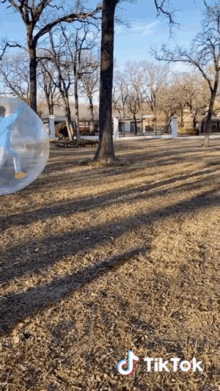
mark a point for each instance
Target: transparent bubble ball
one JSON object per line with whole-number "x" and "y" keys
{"x": 24, "y": 145}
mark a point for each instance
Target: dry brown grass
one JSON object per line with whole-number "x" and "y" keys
{"x": 98, "y": 260}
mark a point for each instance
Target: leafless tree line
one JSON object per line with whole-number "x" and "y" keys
{"x": 68, "y": 66}
{"x": 203, "y": 54}
{"x": 145, "y": 86}
{"x": 139, "y": 87}
{"x": 41, "y": 18}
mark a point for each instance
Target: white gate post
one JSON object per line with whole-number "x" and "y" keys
{"x": 52, "y": 126}
{"x": 174, "y": 126}
{"x": 115, "y": 128}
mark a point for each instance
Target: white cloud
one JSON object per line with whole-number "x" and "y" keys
{"x": 144, "y": 29}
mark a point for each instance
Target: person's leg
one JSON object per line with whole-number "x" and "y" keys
{"x": 3, "y": 153}
{"x": 19, "y": 174}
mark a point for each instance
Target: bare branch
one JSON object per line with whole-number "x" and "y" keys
{"x": 11, "y": 45}
{"x": 67, "y": 19}
{"x": 163, "y": 8}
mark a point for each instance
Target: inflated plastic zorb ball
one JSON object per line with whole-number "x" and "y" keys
{"x": 24, "y": 145}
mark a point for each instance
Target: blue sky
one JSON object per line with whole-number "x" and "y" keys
{"x": 136, "y": 41}
{"x": 147, "y": 31}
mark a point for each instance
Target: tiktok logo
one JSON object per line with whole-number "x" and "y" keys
{"x": 129, "y": 364}
{"x": 158, "y": 365}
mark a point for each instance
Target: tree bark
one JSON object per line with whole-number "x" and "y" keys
{"x": 123, "y": 124}
{"x": 51, "y": 107}
{"x": 76, "y": 106}
{"x": 155, "y": 124}
{"x": 33, "y": 74}
{"x": 135, "y": 125}
{"x": 194, "y": 121}
{"x": 50, "y": 103}
{"x": 68, "y": 119}
{"x": 181, "y": 117}
{"x": 207, "y": 123}
{"x": 167, "y": 121}
{"x": 141, "y": 124}
{"x": 210, "y": 112}
{"x": 92, "y": 115}
{"x": 105, "y": 151}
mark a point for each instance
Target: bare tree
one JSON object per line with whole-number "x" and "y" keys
{"x": 120, "y": 96}
{"x": 185, "y": 93}
{"x": 135, "y": 78}
{"x": 171, "y": 101}
{"x": 5, "y": 45}
{"x": 134, "y": 105}
{"x": 63, "y": 79}
{"x": 32, "y": 14}
{"x": 144, "y": 81}
{"x": 105, "y": 151}
{"x": 14, "y": 73}
{"x": 47, "y": 73}
{"x": 90, "y": 82}
{"x": 156, "y": 77}
{"x": 195, "y": 95}
{"x": 205, "y": 50}
{"x": 77, "y": 43}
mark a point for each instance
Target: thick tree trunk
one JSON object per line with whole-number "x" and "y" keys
{"x": 105, "y": 151}
{"x": 32, "y": 75}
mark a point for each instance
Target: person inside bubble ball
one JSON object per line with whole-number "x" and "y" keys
{"x": 6, "y": 124}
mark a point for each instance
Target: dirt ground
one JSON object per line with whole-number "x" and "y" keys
{"x": 99, "y": 260}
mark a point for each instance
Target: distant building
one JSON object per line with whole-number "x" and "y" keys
{"x": 57, "y": 119}
{"x": 214, "y": 126}
{"x": 129, "y": 124}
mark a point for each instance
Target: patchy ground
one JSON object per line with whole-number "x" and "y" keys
{"x": 96, "y": 261}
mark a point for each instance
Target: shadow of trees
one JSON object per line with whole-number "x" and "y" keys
{"x": 19, "y": 260}
{"x": 17, "y": 306}
{"x": 89, "y": 203}
{"x": 54, "y": 248}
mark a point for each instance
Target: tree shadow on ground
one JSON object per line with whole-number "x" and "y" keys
{"x": 14, "y": 307}
{"x": 89, "y": 203}
{"x": 22, "y": 259}
{"x": 56, "y": 171}
{"x": 19, "y": 260}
